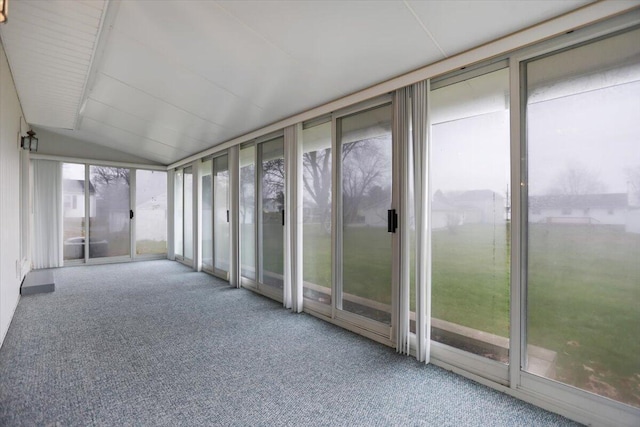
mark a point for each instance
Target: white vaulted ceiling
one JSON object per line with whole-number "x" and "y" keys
{"x": 166, "y": 79}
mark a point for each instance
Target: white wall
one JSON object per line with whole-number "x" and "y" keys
{"x": 11, "y": 126}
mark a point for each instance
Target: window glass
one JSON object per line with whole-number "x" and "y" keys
{"x": 207, "y": 218}
{"x": 109, "y": 220}
{"x": 188, "y": 213}
{"x": 272, "y": 213}
{"x": 151, "y": 212}
{"x": 470, "y": 215}
{"x": 73, "y": 210}
{"x": 248, "y": 212}
{"x": 583, "y": 269}
{"x": 367, "y": 182}
{"x": 316, "y": 176}
{"x": 221, "y": 212}
{"x": 178, "y": 212}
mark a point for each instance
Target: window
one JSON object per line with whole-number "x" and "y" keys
{"x": 221, "y": 214}
{"x": 207, "y": 218}
{"x": 316, "y": 176}
{"x": 583, "y": 290}
{"x": 73, "y": 216}
{"x": 151, "y": 212}
{"x": 248, "y": 212}
{"x": 469, "y": 223}
{"x": 109, "y": 218}
{"x": 271, "y": 232}
{"x": 178, "y": 212}
{"x": 367, "y": 174}
{"x": 188, "y": 213}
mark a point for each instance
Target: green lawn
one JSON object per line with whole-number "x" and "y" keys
{"x": 584, "y": 291}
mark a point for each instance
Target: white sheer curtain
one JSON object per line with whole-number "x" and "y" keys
{"x": 422, "y": 201}
{"x": 46, "y": 250}
{"x": 401, "y": 111}
{"x": 293, "y": 292}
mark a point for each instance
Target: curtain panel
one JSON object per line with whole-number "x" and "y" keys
{"x": 47, "y": 250}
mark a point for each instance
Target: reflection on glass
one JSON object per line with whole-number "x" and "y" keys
{"x": 316, "y": 175}
{"x": 469, "y": 215}
{"x": 178, "y": 205}
{"x": 248, "y": 212}
{"x": 151, "y": 212}
{"x": 109, "y": 221}
{"x": 207, "y": 219}
{"x": 367, "y": 171}
{"x": 272, "y": 231}
{"x": 188, "y": 213}
{"x": 584, "y": 217}
{"x": 73, "y": 210}
{"x": 221, "y": 209}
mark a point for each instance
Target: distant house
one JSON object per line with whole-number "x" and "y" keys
{"x": 467, "y": 207}
{"x": 603, "y": 209}
{"x": 73, "y": 190}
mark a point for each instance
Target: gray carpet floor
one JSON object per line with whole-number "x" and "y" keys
{"x": 154, "y": 343}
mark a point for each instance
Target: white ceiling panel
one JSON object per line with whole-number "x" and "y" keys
{"x": 50, "y": 47}
{"x": 461, "y": 25}
{"x": 167, "y": 79}
{"x": 152, "y": 130}
{"x": 129, "y": 142}
{"x": 344, "y": 45}
{"x": 148, "y": 107}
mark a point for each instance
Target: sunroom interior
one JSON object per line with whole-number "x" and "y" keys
{"x": 459, "y": 181}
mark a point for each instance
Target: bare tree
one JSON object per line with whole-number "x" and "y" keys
{"x": 104, "y": 175}
{"x": 577, "y": 180}
{"x": 363, "y": 170}
{"x": 317, "y": 177}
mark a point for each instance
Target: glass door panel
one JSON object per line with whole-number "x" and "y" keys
{"x": 188, "y": 213}
{"x": 366, "y": 158}
{"x": 109, "y": 220}
{"x": 248, "y": 212}
{"x": 271, "y": 238}
{"x": 221, "y": 213}
{"x": 470, "y": 215}
{"x": 73, "y": 210}
{"x": 151, "y": 212}
{"x": 178, "y": 212}
{"x": 583, "y": 269}
{"x": 316, "y": 176}
{"x": 207, "y": 212}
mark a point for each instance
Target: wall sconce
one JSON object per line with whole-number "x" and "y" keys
{"x": 4, "y": 6}
{"x": 29, "y": 142}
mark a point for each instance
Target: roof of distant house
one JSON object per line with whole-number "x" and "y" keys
{"x": 76, "y": 186}
{"x": 579, "y": 201}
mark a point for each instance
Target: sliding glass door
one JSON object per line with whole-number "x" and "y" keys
{"x": 215, "y": 216}
{"x": 150, "y": 213}
{"x": 221, "y": 216}
{"x": 271, "y": 219}
{"x": 365, "y": 156}
{"x": 470, "y": 223}
{"x": 74, "y": 213}
{"x": 110, "y": 212}
{"x": 583, "y": 218}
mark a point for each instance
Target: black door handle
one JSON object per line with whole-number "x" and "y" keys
{"x": 392, "y": 221}
{"x": 227, "y": 215}
{"x": 130, "y": 214}
{"x": 283, "y": 217}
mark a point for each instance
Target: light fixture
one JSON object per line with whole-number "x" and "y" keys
{"x": 29, "y": 142}
{"x": 4, "y": 6}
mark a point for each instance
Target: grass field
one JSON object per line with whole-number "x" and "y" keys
{"x": 584, "y": 291}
